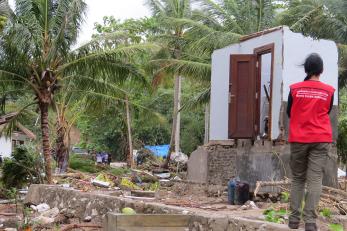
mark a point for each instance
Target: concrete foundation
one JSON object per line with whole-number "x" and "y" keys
{"x": 98, "y": 205}
{"x": 218, "y": 162}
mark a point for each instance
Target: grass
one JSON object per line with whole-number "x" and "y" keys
{"x": 119, "y": 171}
{"x": 83, "y": 164}
{"x": 325, "y": 212}
{"x": 335, "y": 227}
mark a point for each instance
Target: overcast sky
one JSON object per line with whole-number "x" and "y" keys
{"x": 97, "y": 9}
{"x": 121, "y": 9}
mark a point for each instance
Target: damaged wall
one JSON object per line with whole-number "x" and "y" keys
{"x": 290, "y": 51}
{"x": 220, "y": 81}
{"x": 251, "y": 162}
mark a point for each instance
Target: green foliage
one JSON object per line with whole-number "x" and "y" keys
{"x": 119, "y": 171}
{"x": 154, "y": 186}
{"x": 335, "y": 227}
{"x": 275, "y": 216}
{"x": 285, "y": 196}
{"x": 83, "y": 164}
{"x": 325, "y": 212}
{"x": 130, "y": 31}
{"x": 2, "y": 22}
{"x": 126, "y": 183}
{"x": 342, "y": 127}
{"x": 24, "y": 167}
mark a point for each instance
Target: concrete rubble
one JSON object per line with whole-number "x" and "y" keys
{"x": 95, "y": 205}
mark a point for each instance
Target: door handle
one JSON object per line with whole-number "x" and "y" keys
{"x": 231, "y": 96}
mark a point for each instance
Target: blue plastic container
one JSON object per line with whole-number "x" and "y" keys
{"x": 231, "y": 191}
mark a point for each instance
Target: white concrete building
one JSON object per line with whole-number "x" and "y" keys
{"x": 19, "y": 136}
{"x": 250, "y": 83}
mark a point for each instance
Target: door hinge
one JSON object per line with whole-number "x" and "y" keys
{"x": 256, "y": 95}
{"x": 257, "y": 64}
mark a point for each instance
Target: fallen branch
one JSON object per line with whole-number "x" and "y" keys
{"x": 334, "y": 190}
{"x": 282, "y": 183}
{"x": 65, "y": 175}
{"x": 330, "y": 197}
{"x": 76, "y": 226}
{"x": 260, "y": 184}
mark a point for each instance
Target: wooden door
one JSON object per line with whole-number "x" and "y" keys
{"x": 242, "y": 97}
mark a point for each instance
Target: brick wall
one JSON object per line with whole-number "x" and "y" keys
{"x": 221, "y": 164}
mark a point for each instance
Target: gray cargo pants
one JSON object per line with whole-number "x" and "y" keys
{"x": 307, "y": 163}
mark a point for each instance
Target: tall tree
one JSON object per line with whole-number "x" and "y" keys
{"x": 172, "y": 38}
{"x": 35, "y": 51}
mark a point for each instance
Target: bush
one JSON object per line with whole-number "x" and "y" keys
{"x": 24, "y": 167}
{"x": 83, "y": 164}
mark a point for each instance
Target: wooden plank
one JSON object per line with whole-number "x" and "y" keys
{"x": 152, "y": 220}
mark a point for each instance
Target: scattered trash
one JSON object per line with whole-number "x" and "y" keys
{"x": 185, "y": 212}
{"x": 101, "y": 183}
{"x": 163, "y": 175}
{"x": 249, "y": 205}
{"x": 125, "y": 183}
{"x": 47, "y": 217}
{"x": 42, "y": 207}
{"x": 33, "y": 207}
{"x": 87, "y": 219}
{"x": 65, "y": 185}
{"x": 143, "y": 176}
{"x": 166, "y": 183}
{"x": 43, "y": 220}
{"x": 51, "y": 213}
{"x": 341, "y": 173}
{"x": 179, "y": 157}
{"x": 177, "y": 178}
{"x": 118, "y": 164}
{"x": 128, "y": 211}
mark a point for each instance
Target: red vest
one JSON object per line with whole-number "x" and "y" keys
{"x": 309, "y": 118}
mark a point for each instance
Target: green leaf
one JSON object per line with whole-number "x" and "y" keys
{"x": 335, "y": 227}
{"x": 325, "y": 213}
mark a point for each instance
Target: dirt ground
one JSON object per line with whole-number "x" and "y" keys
{"x": 208, "y": 199}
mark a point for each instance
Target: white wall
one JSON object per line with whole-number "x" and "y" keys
{"x": 220, "y": 82}
{"x": 5, "y": 147}
{"x": 296, "y": 49}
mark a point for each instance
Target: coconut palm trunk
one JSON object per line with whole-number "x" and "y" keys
{"x": 45, "y": 140}
{"x": 130, "y": 141}
{"x": 174, "y": 123}
{"x": 62, "y": 147}
{"x": 178, "y": 123}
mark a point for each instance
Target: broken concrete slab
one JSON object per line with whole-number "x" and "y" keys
{"x": 98, "y": 204}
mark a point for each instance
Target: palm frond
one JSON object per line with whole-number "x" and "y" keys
{"x": 198, "y": 71}
{"x": 200, "y": 99}
{"x": 97, "y": 59}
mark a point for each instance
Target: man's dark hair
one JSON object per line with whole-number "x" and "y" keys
{"x": 313, "y": 65}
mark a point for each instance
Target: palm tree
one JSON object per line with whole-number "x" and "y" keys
{"x": 172, "y": 39}
{"x": 215, "y": 25}
{"x": 35, "y": 51}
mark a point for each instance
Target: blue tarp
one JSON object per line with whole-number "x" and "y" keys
{"x": 159, "y": 150}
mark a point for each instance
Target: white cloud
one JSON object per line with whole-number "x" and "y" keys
{"x": 120, "y": 9}
{"x": 97, "y": 9}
